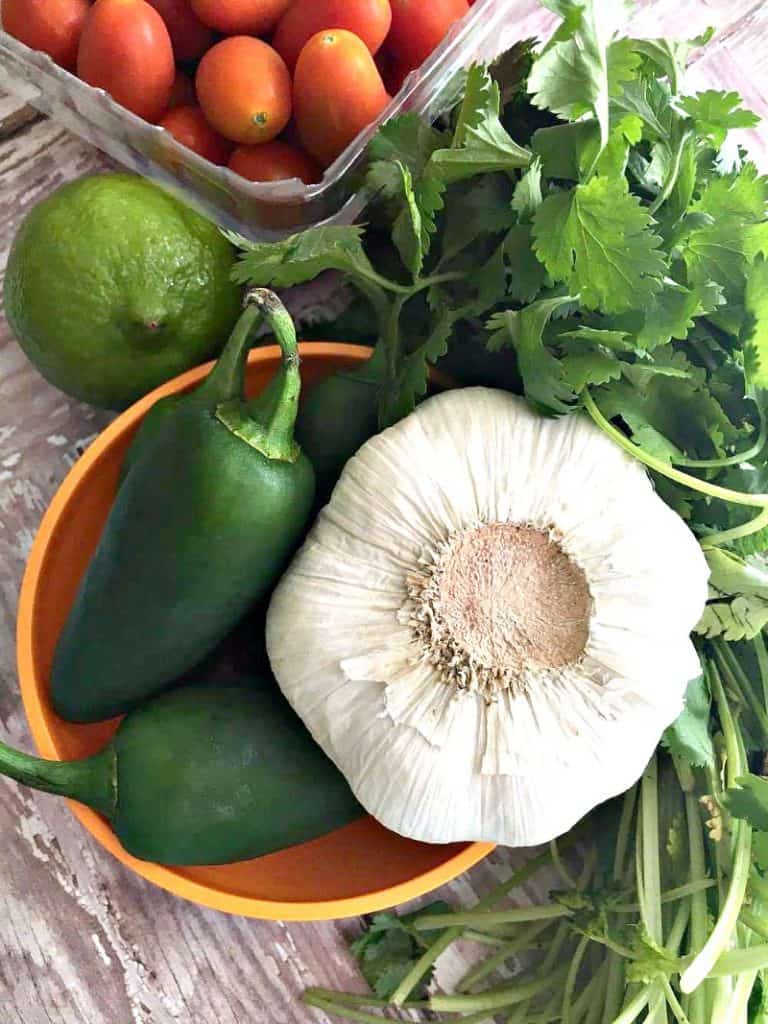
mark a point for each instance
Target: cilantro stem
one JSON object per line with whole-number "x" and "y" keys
{"x": 337, "y": 1009}
{"x": 732, "y": 670}
{"x": 758, "y": 885}
{"x": 560, "y": 867}
{"x": 759, "y": 522}
{"x": 527, "y": 940}
{"x": 614, "y": 986}
{"x": 570, "y": 981}
{"x": 647, "y": 856}
{"x": 762, "y": 660}
{"x": 351, "y": 999}
{"x": 730, "y": 460}
{"x": 737, "y": 961}
{"x": 484, "y": 939}
{"x": 433, "y": 951}
{"x": 674, "y": 1004}
{"x": 498, "y": 998}
{"x": 635, "y": 1006}
{"x": 515, "y": 915}
{"x": 692, "y": 482}
{"x": 672, "y": 177}
{"x": 677, "y": 931}
{"x": 698, "y": 932}
{"x": 669, "y": 895}
{"x": 623, "y": 836}
{"x": 754, "y": 923}
{"x": 741, "y": 856}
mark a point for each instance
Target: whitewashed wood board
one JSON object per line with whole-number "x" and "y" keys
{"x": 82, "y": 940}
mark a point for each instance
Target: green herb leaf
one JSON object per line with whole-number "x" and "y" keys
{"x": 670, "y": 55}
{"x": 388, "y": 948}
{"x": 527, "y": 197}
{"x": 408, "y": 229}
{"x": 749, "y": 801}
{"x": 576, "y": 75}
{"x": 756, "y": 328}
{"x": 487, "y": 148}
{"x": 399, "y": 396}
{"x": 715, "y": 113}
{"x": 597, "y": 239}
{"x": 300, "y": 257}
{"x": 542, "y": 374}
{"x": 689, "y": 738}
{"x": 738, "y": 605}
{"x": 407, "y": 139}
{"x": 527, "y": 275}
{"x": 474, "y": 209}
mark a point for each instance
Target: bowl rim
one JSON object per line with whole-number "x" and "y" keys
{"x": 170, "y": 879}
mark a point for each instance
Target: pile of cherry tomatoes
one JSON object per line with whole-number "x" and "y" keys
{"x": 272, "y": 88}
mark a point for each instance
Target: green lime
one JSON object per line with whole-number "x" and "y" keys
{"x": 113, "y": 286}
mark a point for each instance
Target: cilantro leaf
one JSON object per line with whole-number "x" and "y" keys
{"x": 407, "y": 139}
{"x": 527, "y": 197}
{"x": 408, "y": 230}
{"x": 715, "y": 113}
{"x": 399, "y": 396}
{"x": 527, "y": 276}
{"x": 670, "y": 55}
{"x": 542, "y": 374}
{"x": 473, "y": 209}
{"x": 482, "y": 98}
{"x": 589, "y": 368}
{"x": 300, "y": 257}
{"x": 749, "y": 801}
{"x": 756, "y": 328}
{"x": 487, "y": 148}
{"x": 597, "y": 239}
{"x": 650, "y": 100}
{"x": 389, "y": 947}
{"x": 670, "y": 313}
{"x": 738, "y": 605}
{"x": 688, "y": 738}
{"x": 574, "y": 76}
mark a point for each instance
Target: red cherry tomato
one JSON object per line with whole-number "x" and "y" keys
{"x": 419, "y": 26}
{"x": 273, "y": 161}
{"x": 126, "y": 50}
{"x": 244, "y": 89}
{"x": 368, "y": 19}
{"x": 189, "y": 36}
{"x": 241, "y": 17}
{"x": 337, "y": 91}
{"x": 188, "y": 126}
{"x": 53, "y": 26}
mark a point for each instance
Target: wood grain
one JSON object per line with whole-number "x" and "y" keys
{"x": 81, "y": 939}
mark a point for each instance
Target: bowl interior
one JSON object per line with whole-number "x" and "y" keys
{"x": 356, "y": 869}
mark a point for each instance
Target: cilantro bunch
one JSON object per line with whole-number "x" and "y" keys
{"x": 584, "y": 231}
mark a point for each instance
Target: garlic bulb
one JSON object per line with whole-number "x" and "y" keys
{"x": 487, "y": 629}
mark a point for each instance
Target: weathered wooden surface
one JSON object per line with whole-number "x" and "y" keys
{"x": 82, "y": 941}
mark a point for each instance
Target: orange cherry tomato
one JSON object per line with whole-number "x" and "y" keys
{"x": 419, "y": 26}
{"x": 233, "y": 17}
{"x": 183, "y": 91}
{"x": 188, "y": 126}
{"x": 126, "y": 50}
{"x": 337, "y": 91}
{"x": 244, "y": 89}
{"x": 53, "y": 26}
{"x": 190, "y": 38}
{"x": 273, "y": 161}
{"x": 368, "y": 19}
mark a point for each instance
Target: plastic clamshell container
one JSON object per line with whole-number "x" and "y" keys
{"x": 256, "y": 210}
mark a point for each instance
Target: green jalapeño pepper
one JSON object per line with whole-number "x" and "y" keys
{"x": 205, "y": 520}
{"x": 204, "y": 775}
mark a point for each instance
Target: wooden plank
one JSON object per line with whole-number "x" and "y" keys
{"x": 82, "y": 939}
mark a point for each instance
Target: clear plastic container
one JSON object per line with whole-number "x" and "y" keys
{"x": 268, "y": 210}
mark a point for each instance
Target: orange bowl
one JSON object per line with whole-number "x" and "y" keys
{"x": 354, "y": 870}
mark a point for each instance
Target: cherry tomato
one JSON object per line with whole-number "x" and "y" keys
{"x": 189, "y": 36}
{"x": 244, "y": 89}
{"x": 419, "y": 26}
{"x": 235, "y": 17}
{"x": 273, "y": 161}
{"x": 126, "y": 50}
{"x": 337, "y": 91}
{"x": 183, "y": 91}
{"x": 188, "y": 126}
{"x": 368, "y": 19}
{"x": 53, "y": 26}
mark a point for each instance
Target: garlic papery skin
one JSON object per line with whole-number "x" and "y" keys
{"x": 487, "y": 629}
